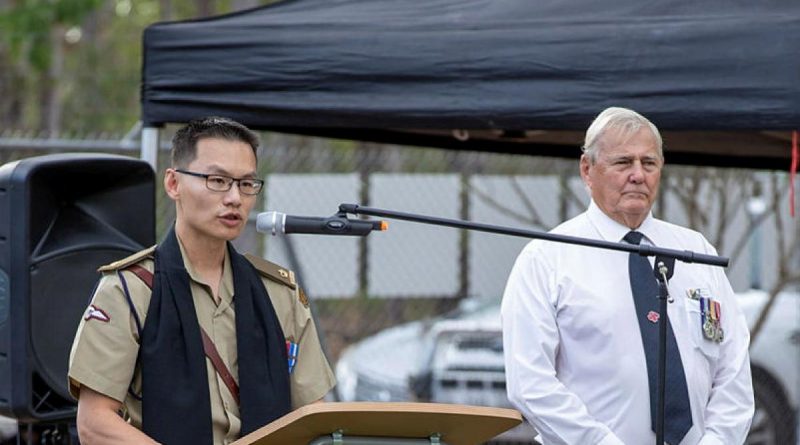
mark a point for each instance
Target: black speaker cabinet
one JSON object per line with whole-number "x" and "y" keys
{"x": 61, "y": 216}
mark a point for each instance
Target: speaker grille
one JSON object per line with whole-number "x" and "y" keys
{"x": 60, "y": 292}
{"x": 61, "y": 216}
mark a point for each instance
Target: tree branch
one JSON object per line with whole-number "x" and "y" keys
{"x": 491, "y": 202}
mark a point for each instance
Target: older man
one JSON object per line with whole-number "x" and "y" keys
{"x": 580, "y": 325}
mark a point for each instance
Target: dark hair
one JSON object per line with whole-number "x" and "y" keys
{"x": 184, "y": 143}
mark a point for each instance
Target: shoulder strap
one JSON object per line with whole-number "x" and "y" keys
{"x": 125, "y": 262}
{"x": 208, "y": 345}
{"x": 143, "y": 274}
{"x": 273, "y": 271}
{"x": 219, "y": 365}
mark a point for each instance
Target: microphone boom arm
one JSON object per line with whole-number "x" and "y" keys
{"x": 685, "y": 256}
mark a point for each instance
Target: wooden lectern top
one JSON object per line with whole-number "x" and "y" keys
{"x": 457, "y": 424}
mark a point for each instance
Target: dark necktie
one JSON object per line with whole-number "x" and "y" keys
{"x": 677, "y": 413}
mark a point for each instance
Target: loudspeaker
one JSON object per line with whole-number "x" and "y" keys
{"x": 61, "y": 217}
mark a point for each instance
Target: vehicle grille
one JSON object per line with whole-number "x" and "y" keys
{"x": 484, "y": 388}
{"x": 372, "y": 390}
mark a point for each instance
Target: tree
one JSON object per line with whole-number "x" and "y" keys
{"x": 73, "y": 66}
{"x": 35, "y": 41}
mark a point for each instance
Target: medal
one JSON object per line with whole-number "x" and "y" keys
{"x": 711, "y": 318}
{"x": 712, "y": 306}
{"x": 707, "y": 325}
{"x": 717, "y": 312}
{"x": 708, "y": 330}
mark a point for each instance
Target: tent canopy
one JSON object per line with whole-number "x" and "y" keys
{"x": 720, "y": 78}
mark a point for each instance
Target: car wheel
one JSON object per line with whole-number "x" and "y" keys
{"x": 773, "y": 422}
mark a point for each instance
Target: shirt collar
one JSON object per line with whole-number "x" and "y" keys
{"x": 225, "y": 284}
{"x": 611, "y": 230}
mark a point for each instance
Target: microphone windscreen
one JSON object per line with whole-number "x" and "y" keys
{"x": 270, "y": 222}
{"x": 669, "y": 262}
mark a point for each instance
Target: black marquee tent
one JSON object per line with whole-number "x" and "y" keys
{"x": 721, "y": 78}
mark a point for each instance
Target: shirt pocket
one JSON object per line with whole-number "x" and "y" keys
{"x": 709, "y": 348}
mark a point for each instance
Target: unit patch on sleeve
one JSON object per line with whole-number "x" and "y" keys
{"x": 94, "y": 312}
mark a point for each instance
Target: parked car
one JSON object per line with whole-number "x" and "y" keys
{"x": 458, "y": 358}
{"x": 775, "y": 363}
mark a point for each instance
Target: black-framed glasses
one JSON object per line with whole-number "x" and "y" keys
{"x": 222, "y": 183}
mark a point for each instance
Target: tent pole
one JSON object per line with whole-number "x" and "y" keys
{"x": 149, "y": 150}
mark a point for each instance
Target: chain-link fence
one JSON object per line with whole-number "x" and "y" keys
{"x": 423, "y": 288}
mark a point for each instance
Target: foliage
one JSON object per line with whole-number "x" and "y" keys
{"x": 74, "y": 66}
{"x": 29, "y": 23}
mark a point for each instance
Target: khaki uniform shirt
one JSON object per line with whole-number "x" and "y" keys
{"x": 104, "y": 353}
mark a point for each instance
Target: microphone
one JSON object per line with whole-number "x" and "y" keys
{"x": 276, "y": 223}
{"x": 663, "y": 268}
{"x": 669, "y": 264}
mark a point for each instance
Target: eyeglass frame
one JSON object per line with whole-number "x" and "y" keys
{"x": 238, "y": 181}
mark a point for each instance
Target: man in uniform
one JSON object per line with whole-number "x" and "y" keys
{"x": 189, "y": 341}
{"x": 580, "y": 325}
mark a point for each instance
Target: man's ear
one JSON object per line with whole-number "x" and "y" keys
{"x": 171, "y": 183}
{"x": 585, "y": 166}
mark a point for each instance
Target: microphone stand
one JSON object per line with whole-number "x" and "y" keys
{"x": 663, "y": 273}
{"x": 663, "y": 298}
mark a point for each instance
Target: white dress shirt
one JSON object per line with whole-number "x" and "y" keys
{"x": 575, "y": 365}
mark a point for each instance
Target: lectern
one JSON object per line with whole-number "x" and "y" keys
{"x": 371, "y": 423}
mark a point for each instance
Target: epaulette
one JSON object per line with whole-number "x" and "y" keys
{"x": 125, "y": 262}
{"x": 273, "y": 271}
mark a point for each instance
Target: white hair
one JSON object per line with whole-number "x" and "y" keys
{"x": 627, "y": 122}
